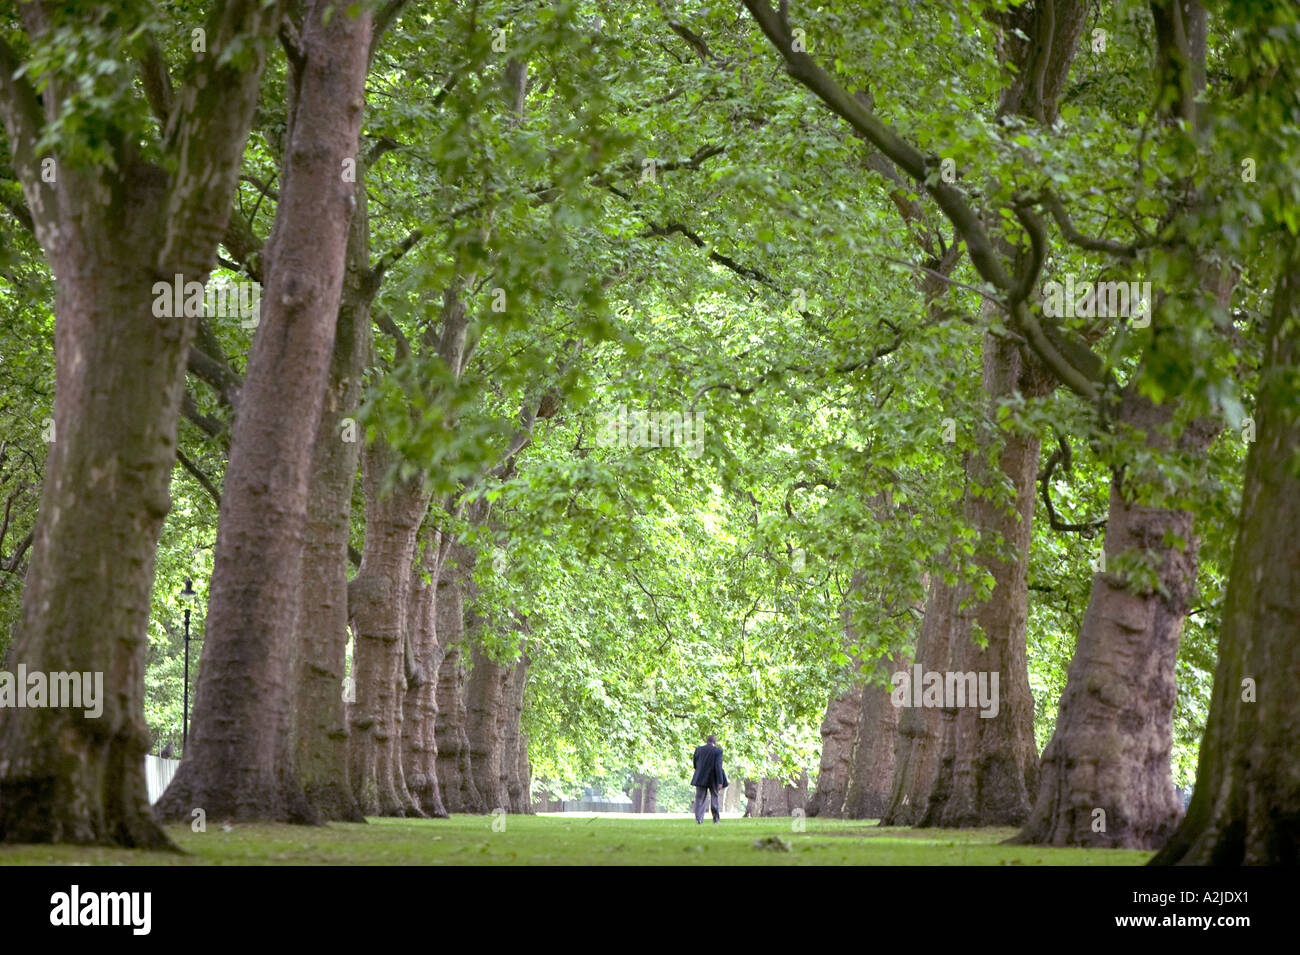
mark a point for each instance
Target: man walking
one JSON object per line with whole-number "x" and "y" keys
{"x": 709, "y": 777}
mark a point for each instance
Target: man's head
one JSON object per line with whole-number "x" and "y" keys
{"x": 712, "y": 740}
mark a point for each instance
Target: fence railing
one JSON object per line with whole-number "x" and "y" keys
{"x": 158, "y": 772}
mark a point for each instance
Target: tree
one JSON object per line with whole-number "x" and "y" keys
{"x": 241, "y": 762}
{"x": 119, "y": 213}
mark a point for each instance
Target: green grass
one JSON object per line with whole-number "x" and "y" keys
{"x": 550, "y": 840}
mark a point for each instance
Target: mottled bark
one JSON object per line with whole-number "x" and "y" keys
{"x": 1106, "y": 777}
{"x": 239, "y": 763}
{"x": 484, "y": 701}
{"x": 377, "y": 601}
{"x": 871, "y": 757}
{"x": 420, "y": 708}
{"x": 1245, "y": 809}
{"x": 109, "y": 235}
{"x": 320, "y": 724}
{"x": 839, "y": 730}
{"x": 454, "y": 774}
{"x": 514, "y": 764}
{"x": 916, "y": 747}
{"x": 988, "y": 768}
{"x": 777, "y": 797}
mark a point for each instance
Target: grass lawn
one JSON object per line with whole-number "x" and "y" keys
{"x": 579, "y": 840}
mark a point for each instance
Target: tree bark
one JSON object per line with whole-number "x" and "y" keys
{"x": 1106, "y": 779}
{"x": 119, "y": 371}
{"x": 420, "y": 708}
{"x": 916, "y": 747}
{"x": 454, "y": 773}
{"x": 988, "y": 769}
{"x": 513, "y": 761}
{"x": 1245, "y": 809}
{"x": 320, "y": 723}
{"x": 377, "y": 601}
{"x": 871, "y": 758}
{"x": 484, "y": 701}
{"x": 240, "y": 764}
{"x": 839, "y": 730}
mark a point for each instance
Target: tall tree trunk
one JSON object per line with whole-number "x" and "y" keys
{"x": 240, "y": 764}
{"x": 420, "y": 708}
{"x": 871, "y": 758}
{"x": 484, "y": 701}
{"x": 1106, "y": 772}
{"x": 454, "y": 774}
{"x": 119, "y": 373}
{"x": 377, "y": 601}
{"x": 839, "y": 730}
{"x": 1245, "y": 809}
{"x": 916, "y": 746}
{"x": 512, "y": 763}
{"x": 988, "y": 769}
{"x": 320, "y": 723}
{"x": 525, "y": 775}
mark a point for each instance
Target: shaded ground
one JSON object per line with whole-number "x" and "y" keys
{"x": 572, "y": 840}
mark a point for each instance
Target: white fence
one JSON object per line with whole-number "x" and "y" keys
{"x": 158, "y": 773}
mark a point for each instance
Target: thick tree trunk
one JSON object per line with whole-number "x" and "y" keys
{"x": 839, "y": 730}
{"x": 420, "y": 708}
{"x": 454, "y": 774}
{"x": 66, "y": 776}
{"x": 871, "y": 758}
{"x": 525, "y": 774}
{"x": 484, "y": 701}
{"x": 320, "y": 723}
{"x": 240, "y": 763}
{"x": 512, "y": 764}
{"x": 753, "y": 798}
{"x": 1106, "y": 775}
{"x": 776, "y": 797}
{"x": 377, "y": 600}
{"x": 916, "y": 746}
{"x": 988, "y": 769}
{"x": 1245, "y": 809}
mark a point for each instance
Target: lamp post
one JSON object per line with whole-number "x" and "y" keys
{"x": 188, "y": 598}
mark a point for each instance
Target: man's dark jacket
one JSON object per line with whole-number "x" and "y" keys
{"x": 708, "y": 767}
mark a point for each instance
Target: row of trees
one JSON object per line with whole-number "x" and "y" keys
{"x": 552, "y": 211}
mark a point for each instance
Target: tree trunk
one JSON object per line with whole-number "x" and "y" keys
{"x": 377, "y": 601}
{"x": 120, "y": 371}
{"x": 240, "y": 764}
{"x": 512, "y": 764}
{"x": 420, "y": 708}
{"x": 988, "y": 770}
{"x": 839, "y": 729}
{"x": 871, "y": 756}
{"x": 916, "y": 746}
{"x": 320, "y": 723}
{"x": 753, "y": 799}
{"x": 1245, "y": 809}
{"x": 1106, "y": 775}
{"x": 454, "y": 774}
{"x": 484, "y": 700}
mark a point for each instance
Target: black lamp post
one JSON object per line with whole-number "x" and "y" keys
{"x": 188, "y": 598}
